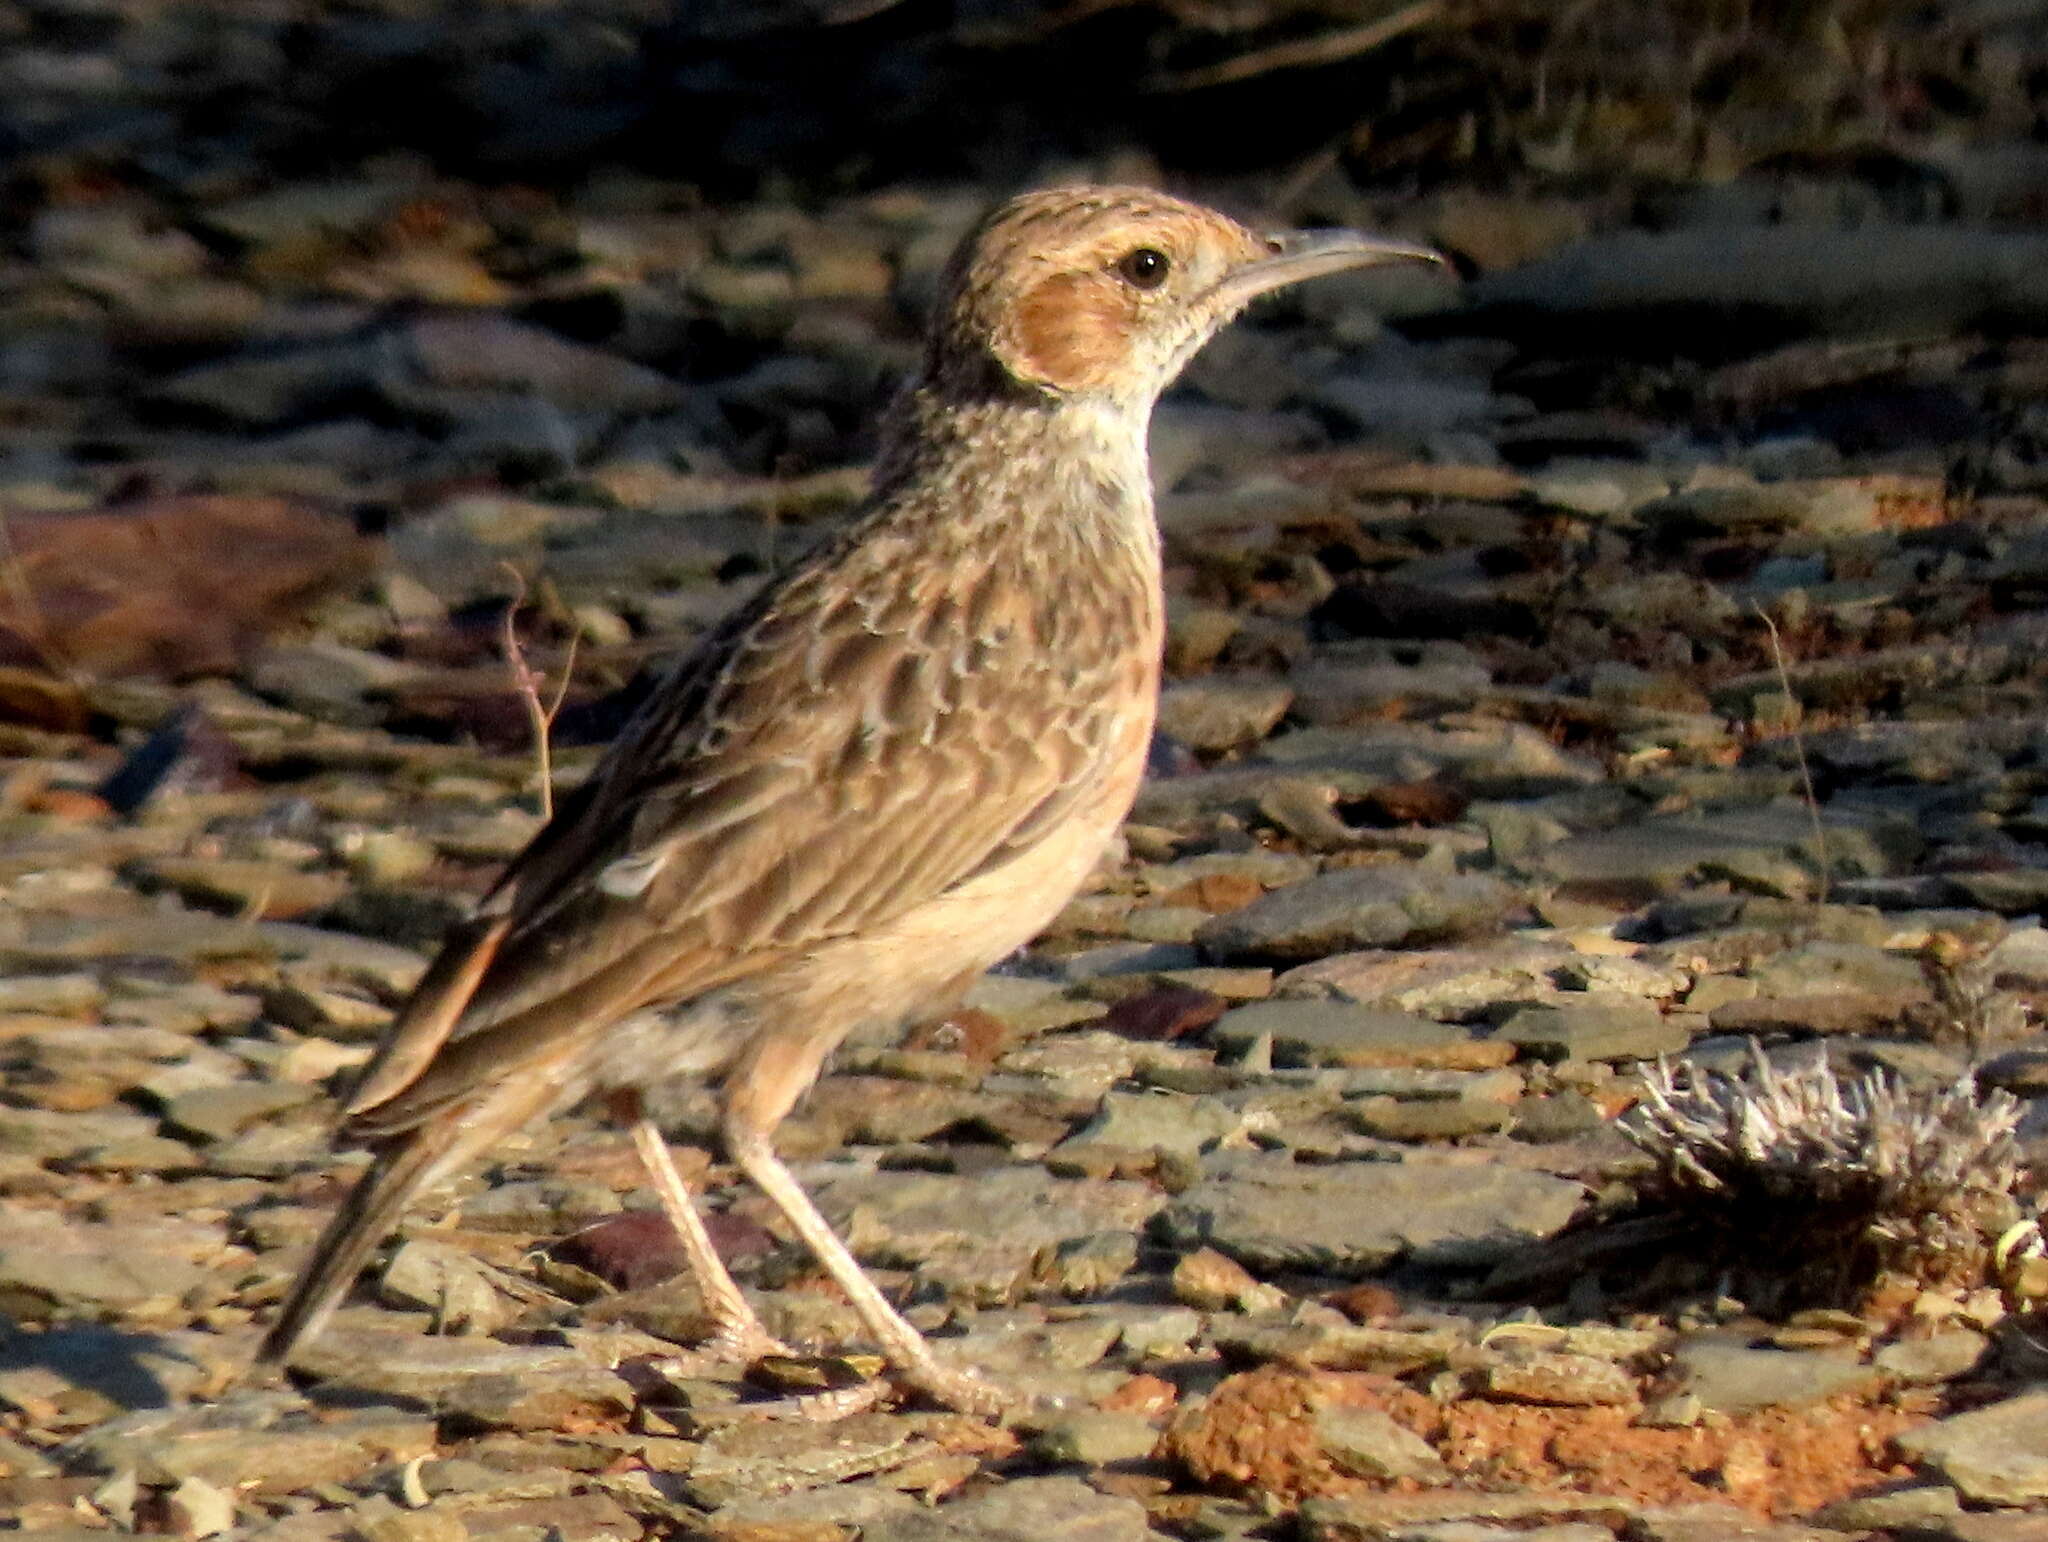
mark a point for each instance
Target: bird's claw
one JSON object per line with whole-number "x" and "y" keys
{"x": 960, "y": 1390}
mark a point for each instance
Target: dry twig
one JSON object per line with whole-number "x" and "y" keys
{"x": 1820, "y": 834}
{"x": 527, "y": 681}
{"x": 1324, "y": 48}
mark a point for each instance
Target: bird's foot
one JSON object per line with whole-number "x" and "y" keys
{"x": 960, "y": 1390}
{"x": 745, "y": 1343}
{"x": 736, "y": 1341}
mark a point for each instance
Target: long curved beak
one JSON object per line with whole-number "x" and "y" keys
{"x": 1301, "y": 254}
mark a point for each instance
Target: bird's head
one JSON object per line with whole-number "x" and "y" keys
{"x": 1109, "y": 291}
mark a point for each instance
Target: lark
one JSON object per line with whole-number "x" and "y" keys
{"x": 886, "y": 772}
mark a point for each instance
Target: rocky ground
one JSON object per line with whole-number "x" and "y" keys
{"x": 1635, "y": 652}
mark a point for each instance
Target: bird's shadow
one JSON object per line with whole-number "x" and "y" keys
{"x": 95, "y": 1357}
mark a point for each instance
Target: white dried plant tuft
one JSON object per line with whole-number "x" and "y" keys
{"x": 1834, "y": 1179}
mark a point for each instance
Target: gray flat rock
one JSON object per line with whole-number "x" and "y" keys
{"x": 1734, "y": 1378}
{"x": 1024, "y": 1510}
{"x": 49, "y": 1264}
{"x": 1356, "y": 908}
{"x": 757, "y": 1458}
{"x": 1658, "y": 856}
{"x": 1352, "y": 1218}
{"x": 1341, "y": 1033}
{"x": 512, "y": 1386}
{"x": 1996, "y": 1455}
{"x": 1366, "y": 1443}
{"x": 978, "y": 1237}
{"x": 1156, "y": 1122}
{"x": 1921, "y": 1507}
{"x": 1595, "y": 1032}
{"x": 1454, "y": 982}
{"x": 273, "y": 1442}
{"x": 1220, "y": 714}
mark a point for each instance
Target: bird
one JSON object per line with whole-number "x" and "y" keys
{"x": 884, "y": 773}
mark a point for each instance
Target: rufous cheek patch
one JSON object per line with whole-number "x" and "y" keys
{"x": 1070, "y": 331}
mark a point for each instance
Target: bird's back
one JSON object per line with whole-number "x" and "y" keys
{"x": 923, "y": 700}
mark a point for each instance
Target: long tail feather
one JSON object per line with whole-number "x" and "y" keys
{"x": 370, "y": 1211}
{"x": 407, "y": 1162}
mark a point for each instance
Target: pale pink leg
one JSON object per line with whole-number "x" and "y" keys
{"x": 903, "y": 1344}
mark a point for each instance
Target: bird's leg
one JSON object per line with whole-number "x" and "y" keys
{"x": 754, "y": 1153}
{"x": 737, "y": 1333}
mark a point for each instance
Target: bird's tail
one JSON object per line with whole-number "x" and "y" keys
{"x": 409, "y": 1160}
{"x": 402, "y": 1168}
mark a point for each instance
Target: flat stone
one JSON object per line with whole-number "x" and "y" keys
{"x": 139, "y": 1154}
{"x": 1341, "y": 1033}
{"x": 58, "y": 995}
{"x": 1356, "y": 908}
{"x": 1941, "y": 1356}
{"x": 54, "y": 1134}
{"x": 1919, "y": 1507}
{"x": 1641, "y": 861}
{"x": 480, "y": 351}
{"x": 51, "y": 1263}
{"x": 1997, "y": 1526}
{"x": 1733, "y": 1378}
{"x": 1024, "y": 1510}
{"x": 1824, "y": 967}
{"x": 273, "y": 1443}
{"x": 512, "y": 1386}
{"x": 2016, "y": 892}
{"x": 269, "y": 891}
{"x": 1832, "y": 1014}
{"x": 1157, "y": 1122}
{"x": 978, "y": 1237}
{"x": 1428, "y": 1118}
{"x": 218, "y": 1113}
{"x": 85, "y": 1373}
{"x": 1556, "y": 1116}
{"x": 754, "y": 1458}
{"x": 829, "y": 1514}
{"x": 1562, "y": 1380}
{"x": 1375, "y": 1517}
{"x": 1351, "y": 1218}
{"x": 1594, "y": 1032}
{"x": 1366, "y": 1443}
{"x": 1096, "y": 1438}
{"x": 1221, "y": 714}
{"x": 1996, "y": 1455}
{"x": 1713, "y": 1523}
{"x": 1435, "y": 982}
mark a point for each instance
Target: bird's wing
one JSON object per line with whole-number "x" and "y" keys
{"x": 873, "y": 731}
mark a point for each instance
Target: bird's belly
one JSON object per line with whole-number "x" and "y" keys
{"x": 691, "y": 1040}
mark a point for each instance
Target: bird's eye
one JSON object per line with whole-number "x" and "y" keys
{"x": 1145, "y": 268}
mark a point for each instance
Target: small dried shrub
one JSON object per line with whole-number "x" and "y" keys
{"x": 1813, "y": 1186}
